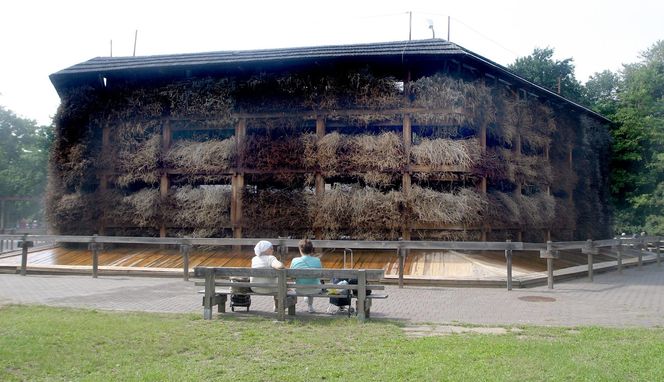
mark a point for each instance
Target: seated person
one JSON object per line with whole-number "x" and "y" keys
{"x": 264, "y": 258}
{"x": 306, "y": 260}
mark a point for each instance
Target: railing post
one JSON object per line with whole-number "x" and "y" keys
{"x": 281, "y": 294}
{"x": 658, "y": 243}
{"x": 94, "y": 247}
{"x": 590, "y": 250}
{"x": 619, "y": 255}
{"x": 549, "y": 254}
{"x": 25, "y": 244}
{"x": 508, "y": 259}
{"x": 361, "y": 295}
{"x": 185, "y": 247}
{"x": 640, "y": 247}
{"x": 402, "y": 261}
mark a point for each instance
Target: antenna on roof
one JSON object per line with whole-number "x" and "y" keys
{"x": 430, "y": 22}
{"x": 410, "y": 25}
{"x": 448, "y": 27}
{"x": 111, "y": 48}
{"x": 135, "y": 38}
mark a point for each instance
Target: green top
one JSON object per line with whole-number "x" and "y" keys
{"x": 303, "y": 262}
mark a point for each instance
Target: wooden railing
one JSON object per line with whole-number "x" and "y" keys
{"x": 618, "y": 248}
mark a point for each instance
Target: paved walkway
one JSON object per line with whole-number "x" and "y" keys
{"x": 634, "y": 298}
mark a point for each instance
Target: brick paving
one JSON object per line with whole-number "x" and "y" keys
{"x": 634, "y": 298}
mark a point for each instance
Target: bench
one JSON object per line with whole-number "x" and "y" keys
{"x": 286, "y": 291}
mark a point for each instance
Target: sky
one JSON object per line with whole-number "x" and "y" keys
{"x": 38, "y": 38}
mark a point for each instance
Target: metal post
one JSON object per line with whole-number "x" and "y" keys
{"x": 508, "y": 258}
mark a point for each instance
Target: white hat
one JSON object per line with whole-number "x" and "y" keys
{"x": 261, "y": 247}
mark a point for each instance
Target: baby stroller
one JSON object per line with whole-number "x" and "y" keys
{"x": 239, "y": 296}
{"x": 341, "y": 304}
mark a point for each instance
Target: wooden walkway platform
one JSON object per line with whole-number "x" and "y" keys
{"x": 421, "y": 265}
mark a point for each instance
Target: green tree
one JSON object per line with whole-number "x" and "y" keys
{"x": 634, "y": 100}
{"x": 23, "y": 160}
{"x": 540, "y": 68}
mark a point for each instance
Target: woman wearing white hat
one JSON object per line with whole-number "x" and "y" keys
{"x": 264, "y": 258}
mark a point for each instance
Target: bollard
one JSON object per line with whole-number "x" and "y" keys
{"x": 508, "y": 259}
{"x": 185, "y": 248}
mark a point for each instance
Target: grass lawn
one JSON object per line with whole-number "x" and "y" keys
{"x": 42, "y": 343}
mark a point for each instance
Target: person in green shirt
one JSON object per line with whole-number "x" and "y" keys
{"x": 306, "y": 260}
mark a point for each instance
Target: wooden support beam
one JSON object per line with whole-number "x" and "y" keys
{"x": 166, "y": 137}
{"x": 407, "y": 135}
{"x": 238, "y": 182}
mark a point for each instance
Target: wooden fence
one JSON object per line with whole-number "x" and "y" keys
{"x": 618, "y": 248}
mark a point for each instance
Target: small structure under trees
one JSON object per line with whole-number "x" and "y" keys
{"x": 414, "y": 139}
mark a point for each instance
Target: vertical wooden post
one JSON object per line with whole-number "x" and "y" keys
{"x": 94, "y": 247}
{"x": 361, "y": 306}
{"x": 549, "y": 254}
{"x": 640, "y": 246}
{"x": 549, "y": 272}
{"x": 163, "y": 181}
{"x": 209, "y": 297}
{"x": 483, "y": 181}
{"x": 238, "y": 181}
{"x": 619, "y": 251}
{"x": 407, "y": 130}
{"x": 24, "y": 255}
{"x": 508, "y": 259}
{"x": 320, "y": 180}
{"x": 658, "y": 244}
{"x": 185, "y": 248}
{"x": 590, "y": 250}
{"x": 103, "y": 177}
{"x": 281, "y": 294}
{"x": 402, "y": 261}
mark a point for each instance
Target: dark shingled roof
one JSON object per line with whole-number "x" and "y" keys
{"x": 402, "y": 48}
{"x": 398, "y": 51}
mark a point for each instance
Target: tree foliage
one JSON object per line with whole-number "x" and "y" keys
{"x": 23, "y": 160}
{"x": 540, "y": 68}
{"x": 634, "y": 99}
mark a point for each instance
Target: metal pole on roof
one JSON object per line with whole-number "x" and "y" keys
{"x": 448, "y": 27}
{"x": 135, "y": 38}
{"x": 111, "y": 48}
{"x": 410, "y": 25}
